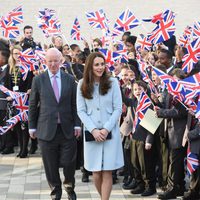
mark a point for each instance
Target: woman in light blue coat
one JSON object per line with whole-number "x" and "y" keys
{"x": 99, "y": 106}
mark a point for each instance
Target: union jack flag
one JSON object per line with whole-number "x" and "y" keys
{"x": 46, "y": 13}
{"x": 27, "y": 56}
{"x": 191, "y": 81}
{"x": 192, "y": 161}
{"x": 49, "y": 22}
{"x": 110, "y": 56}
{"x": 144, "y": 103}
{"x": 154, "y": 19}
{"x": 40, "y": 55}
{"x": 142, "y": 66}
{"x": 126, "y": 21}
{"x": 187, "y": 31}
{"x": 97, "y": 19}
{"x": 163, "y": 76}
{"x": 75, "y": 32}
{"x": 53, "y": 27}
{"x": 183, "y": 41}
{"x": 192, "y": 56}
{"x": 24, "y": 116}
{"x": 28, "y": 61}
{"x": 10, "y": 30}
{"x": 21, "y": 103}
{"x": 143, "y": 43}
{"x": 16, "y": 15}
{"x": 24, "y": 69}
{"x": 9, "y": 92}
{"x": 116, "y": 32}
{"x": 10, "y": 123}
{"x": 177, "y": 90}
{"x": 196, "y": 30}
{"x": 164, "y": 29}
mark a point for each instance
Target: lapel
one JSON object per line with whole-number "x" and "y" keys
{"x": 49, "y": 86}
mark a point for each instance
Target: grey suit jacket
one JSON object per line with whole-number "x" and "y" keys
{"x": 44, "y": 109}
{"x": 176, "y": 124}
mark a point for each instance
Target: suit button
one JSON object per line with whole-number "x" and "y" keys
{"x": 99, "y": 122}
{"x": 98, "y": 109}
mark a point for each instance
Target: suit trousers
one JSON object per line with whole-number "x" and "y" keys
{"x": 176, "y": 173}
{"x": 59, "y": 152}
{"x": 144, "y": 164}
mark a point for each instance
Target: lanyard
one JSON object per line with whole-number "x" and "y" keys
{"x": 15, "y": 72}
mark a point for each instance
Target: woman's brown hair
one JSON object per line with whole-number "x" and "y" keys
{"x": 87, "y": 86}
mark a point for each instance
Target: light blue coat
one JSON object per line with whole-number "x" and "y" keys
{"x": 103, "y": 111}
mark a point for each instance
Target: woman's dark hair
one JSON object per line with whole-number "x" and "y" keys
{"x": 87, "y": 86}
{"x": 131, "y": 39}
{"x": 141, "y": 84}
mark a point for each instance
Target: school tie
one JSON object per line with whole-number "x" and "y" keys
{"x": 55, "y": 88}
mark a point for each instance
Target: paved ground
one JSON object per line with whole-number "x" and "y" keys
{"x": 24, "y": 179}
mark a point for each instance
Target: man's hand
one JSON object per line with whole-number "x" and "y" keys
{"x": 32, "y": 133}
{"x": 98, "y": 135}
{"x": 77, "y": 132}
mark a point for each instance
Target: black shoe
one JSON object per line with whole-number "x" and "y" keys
{"x": 148, "y": 192}
{"x": 169, "y": 194}
{"x": 71, "y": 195}
{"x": 85, "y": 177}
{"x": 132, "y": 185}
{"x": 18, "y": 155}
{"x": 126, "y": 179}
{"x": 8, "y": 150}
{"x": 191, "y": 195}
{"x": 138, "y": 190}
{"x": 181, "y": 191}
{"x": 23, "y": 155}
{"x": 33, "y": 149}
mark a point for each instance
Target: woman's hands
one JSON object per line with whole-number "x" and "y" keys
{"x": 100, "y": 135}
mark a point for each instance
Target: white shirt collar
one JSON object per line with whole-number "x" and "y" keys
{"x": 57, "y": 74}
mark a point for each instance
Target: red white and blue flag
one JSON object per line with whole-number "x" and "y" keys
{"x": 143, "y": 43}
{"x": 10, "y": 123}
{"x": 9, "y": 92}
{"x": 126, "y": 21}
{"x": 192, "y": 56}
{"x": 46, "y": 13}
{"x": 164, "y": 30}
{"x": 196, "y": 30}
{"x": 21, "y": 103}
{"x": 97, "y": 19}
{"x": 144, "y": 103}
{"x": 192, "y": 161}
{"x": 10, "y": 30}
{"x": 75, "y": 32}
{"x": 16, "y": 15}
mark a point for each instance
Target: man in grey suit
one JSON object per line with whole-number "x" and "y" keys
{"x": 53, "y": 120}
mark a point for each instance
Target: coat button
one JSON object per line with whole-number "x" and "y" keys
{"x": 99, "y": 122}
{"x": 98, "y": 109}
